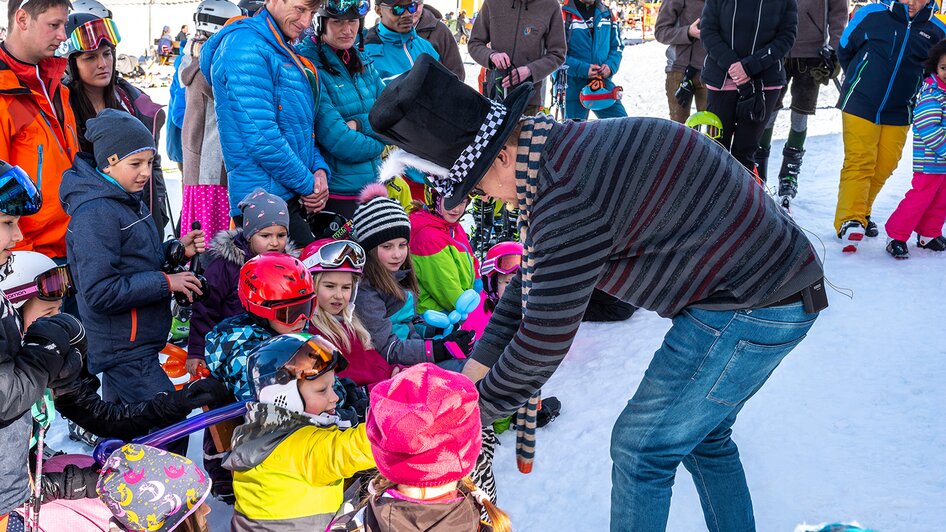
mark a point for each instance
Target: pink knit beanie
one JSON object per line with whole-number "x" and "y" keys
{"x": 424, "y": 426}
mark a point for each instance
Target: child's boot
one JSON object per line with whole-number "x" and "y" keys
{"x": 932, "y": 244}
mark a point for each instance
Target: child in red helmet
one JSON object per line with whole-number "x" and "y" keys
{"x": 336, "y": 267}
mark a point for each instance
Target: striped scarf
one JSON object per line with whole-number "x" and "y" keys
{"x": 535, "y": 132}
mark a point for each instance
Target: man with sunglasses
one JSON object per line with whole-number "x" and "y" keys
{"x": 38, "y": 133}
{"x": 265, "y": 97}
{"x": 393, "y": 43}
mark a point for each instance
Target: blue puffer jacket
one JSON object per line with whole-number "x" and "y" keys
{"x": 113, "y": 249}
{"x": 265, "y": 109}
{"x": 586, "y": 47}
{"x": 882, "y": 53}
{"x": 394, "y": 53}
{"x": 353, "y": 155}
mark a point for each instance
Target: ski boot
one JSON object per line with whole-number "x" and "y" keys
{"x": 851, "y": 234}
{"x": 898, "y": 249}
{"x": 932, "y": 244}
{"x": 871, "y": 230}
{"x": 788, "y": 175}
{"x": 762, "y": 164}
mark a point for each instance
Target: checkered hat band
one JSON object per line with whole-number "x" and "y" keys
{"x": 474, "y": 151}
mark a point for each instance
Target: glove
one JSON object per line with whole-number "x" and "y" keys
{"x": 684, "y": 93}
{"x": 73, "y": 483}
{"x": 204, "y": 392}
{"x": 462, "y": 339}
{"x": 751, "y": 103}
{"x": 828, "y": 68}
{"x": 53, "y": 340}
{"x": 71, "y": 368}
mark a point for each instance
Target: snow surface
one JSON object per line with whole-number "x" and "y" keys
{"x": 849, "y": 427}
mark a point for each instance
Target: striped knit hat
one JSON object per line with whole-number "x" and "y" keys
{"x": 379, "y": 218}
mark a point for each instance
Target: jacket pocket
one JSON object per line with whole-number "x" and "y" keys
{"x": 134, "y": 325}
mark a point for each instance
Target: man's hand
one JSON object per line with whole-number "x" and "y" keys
{"x": 315, "y": 202}
{"x": 352, "y": 125}
{"x": 193, "y": 243}
{"x": 604, "y": 72}
{"x": 474, "y": 370}
{"x": 516, "y": 76}
{"x": 738, "y": 73}
{"x": 185, "y": 283}
{"x": 500, "y": 60}
{"x": 694, "y": 30}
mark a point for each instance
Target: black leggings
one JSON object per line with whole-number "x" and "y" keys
{"x": 740, "y": 137}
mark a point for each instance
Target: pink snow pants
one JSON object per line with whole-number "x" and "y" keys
{"x": 923, "y": 209}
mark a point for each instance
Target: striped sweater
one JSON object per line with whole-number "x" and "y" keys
{"x": 646, "y": 210}
{"x": 929, "y": 130}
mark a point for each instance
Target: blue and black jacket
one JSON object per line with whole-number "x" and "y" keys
{"x": 882, "y": 53}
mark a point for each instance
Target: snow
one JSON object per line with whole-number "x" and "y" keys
{"x": 849, "y": 426}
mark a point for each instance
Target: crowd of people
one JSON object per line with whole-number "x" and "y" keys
{"x": 326, "y": 169}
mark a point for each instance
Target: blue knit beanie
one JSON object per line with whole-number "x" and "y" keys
{"x": 115, "y": 135}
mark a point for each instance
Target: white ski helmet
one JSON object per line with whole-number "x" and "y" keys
{"x": 211, "y": 15}
{"x": 91, "y": 7}
{"x": 27, "y": 265}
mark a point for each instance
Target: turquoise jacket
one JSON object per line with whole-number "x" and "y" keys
{"x": 394, "y": 53}
{"x": 354, "y": 155}
{"x": 587, "y": 47}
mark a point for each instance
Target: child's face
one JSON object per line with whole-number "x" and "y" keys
{"x": 318, "y": 394}
{"x": 502, "y": 282}
{"x": 9, "y": 235}
{"x": 282, "y": 328}
{"x": 36, "y": 308}
{"x": 271, "y": 239}
{"x": 334, "y": 291}
{"x": 132, "y": 172}
{"x": 941, "y": 68}
{"x": 453, "y": 215}
{"x": 393, "y": 253}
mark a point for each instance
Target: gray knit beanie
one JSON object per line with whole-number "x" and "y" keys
{"x": 261, "y": 210}
{"x": 115, "y": 135}
{"x": 379, "y": 218}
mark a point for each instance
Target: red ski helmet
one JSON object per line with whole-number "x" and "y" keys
{"x": 503, "y": 258}
{"x": 276, "y": 286}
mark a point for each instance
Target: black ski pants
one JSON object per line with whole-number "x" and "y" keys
{"x": 740, "y": 137}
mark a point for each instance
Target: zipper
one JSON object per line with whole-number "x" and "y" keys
{"x": 857, "y": 79}
{"x": 758, "y": 22}
{"x": 732, "y": 37}
{"x": 43, "y": 85}
{"x": 407, "y": 53}
{"x": 896, "y": 68}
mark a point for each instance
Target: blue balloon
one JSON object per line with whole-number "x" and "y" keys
{"x": 454, "y": 317}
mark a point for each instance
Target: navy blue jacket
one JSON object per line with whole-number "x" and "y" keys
{"x": 758, "y": 33}
{"x": 113, "y": 249}
{"x": 882, "y": 53}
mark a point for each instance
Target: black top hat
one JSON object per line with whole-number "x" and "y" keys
{"x": 430, "y": 113}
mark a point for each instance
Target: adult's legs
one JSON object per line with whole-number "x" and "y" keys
{"x": 710, "y": 364}
{"x": 861, "y": 138}
{"x": 699, "y": 94}
{"x": 747, "y": 133}
{"x": 723, "y": 105}
{"x": 678, "y": 113}
{"x": 889, "y": 151}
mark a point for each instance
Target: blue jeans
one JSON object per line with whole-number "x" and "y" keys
{"x": 710, "y": 364}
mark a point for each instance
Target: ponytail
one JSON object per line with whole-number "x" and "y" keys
{"x": 498, "y": 518}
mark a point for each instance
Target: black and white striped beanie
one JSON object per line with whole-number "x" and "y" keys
{"x": 379, "y": 218}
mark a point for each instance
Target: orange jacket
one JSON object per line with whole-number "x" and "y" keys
{"x": 32, "y": 136}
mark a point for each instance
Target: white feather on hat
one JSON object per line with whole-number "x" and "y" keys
{"x": 399, "y": 160}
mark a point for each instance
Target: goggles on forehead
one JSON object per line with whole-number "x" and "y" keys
{"x": 51, "y": 285}
{"x": 504, "y": 264}
{"x": 336, "y": 254}
{"x": 18, "y": 194}
{"x": 338, "y": 8}
{"x": 89, "y": 36}
{"x": 399, "y": 9}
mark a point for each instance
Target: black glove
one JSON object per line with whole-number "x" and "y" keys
{"x": 684, "y": 93}
{"x": 71, "y": 368}
{"x": 828, "y": 68}
{"x": 462, "y": 339}
{"x": 52, "y": 340}
{"x": 75, "y": 330}
{"x": 751, "y": 103}
{"x": 73, "y": 483}
{"x": 204, "y": 392}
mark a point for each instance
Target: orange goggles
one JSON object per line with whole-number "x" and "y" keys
{"x": 89, "y": 36}
{"x": 312, "y": 360}
{"x": 288, "y": 313}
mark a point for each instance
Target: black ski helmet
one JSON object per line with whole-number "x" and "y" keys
{"x": 342, "y": 10}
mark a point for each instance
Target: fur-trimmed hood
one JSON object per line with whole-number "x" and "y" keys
{"x": 232, "y": 247}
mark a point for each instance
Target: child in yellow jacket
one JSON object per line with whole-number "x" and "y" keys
{"x": 293, "y": 453}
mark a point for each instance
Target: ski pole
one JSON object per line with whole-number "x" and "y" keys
{"x": 37, "y": 501}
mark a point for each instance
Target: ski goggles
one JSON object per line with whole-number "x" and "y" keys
{"x": 314, "y": 358}
{"x": 504, "y": 264}
{"x": 18, "y": 194}
{"x": 340, "y": 8}
{"x": 336, "y": 254}
{"x": 89, "y": 36}
{"x": 51, "y": 285}
{"x": 288, "y": 313}
{"x": 399, "y": 9}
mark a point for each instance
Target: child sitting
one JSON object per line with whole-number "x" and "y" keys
{"x": 336, "y": 267}
{"x": 441, "y": 252}
{"x": 385, "y": 299}
{"x": 116, "y": 258}
{"x": 290, "y": 457}
{"x": 265, "y": 230}
{"x": 424, "y": 429}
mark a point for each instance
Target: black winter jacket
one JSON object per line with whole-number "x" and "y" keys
{"x": 759, "y": 33}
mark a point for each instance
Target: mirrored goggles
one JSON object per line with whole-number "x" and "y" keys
{"x": 51, "y": 285}
{"x": 89, "y": 36}
{"x": 18, "y": 194}
{"x": 504, "y": 264}
{"x": 313, "y": 359}
{"x": 336, "y": 254}
{"x": 339, "y": 8}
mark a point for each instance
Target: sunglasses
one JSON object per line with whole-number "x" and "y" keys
{"x": 51, "y": 285}
{"x": 288, "y": 313}
{"x": 311, "y": 360}
{"x": 89, "y": 36}
{"x": 399, "y": 9}
{"x": 18, "y": 194}
{"x": 504, "y": 264}
{"x": 336, "y": 254}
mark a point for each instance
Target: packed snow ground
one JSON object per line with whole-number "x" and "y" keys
{"x": 849, "y": 427}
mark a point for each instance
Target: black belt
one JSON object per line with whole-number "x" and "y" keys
{"x": 794, "y": 298}
{"x": 813, "y": 296}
